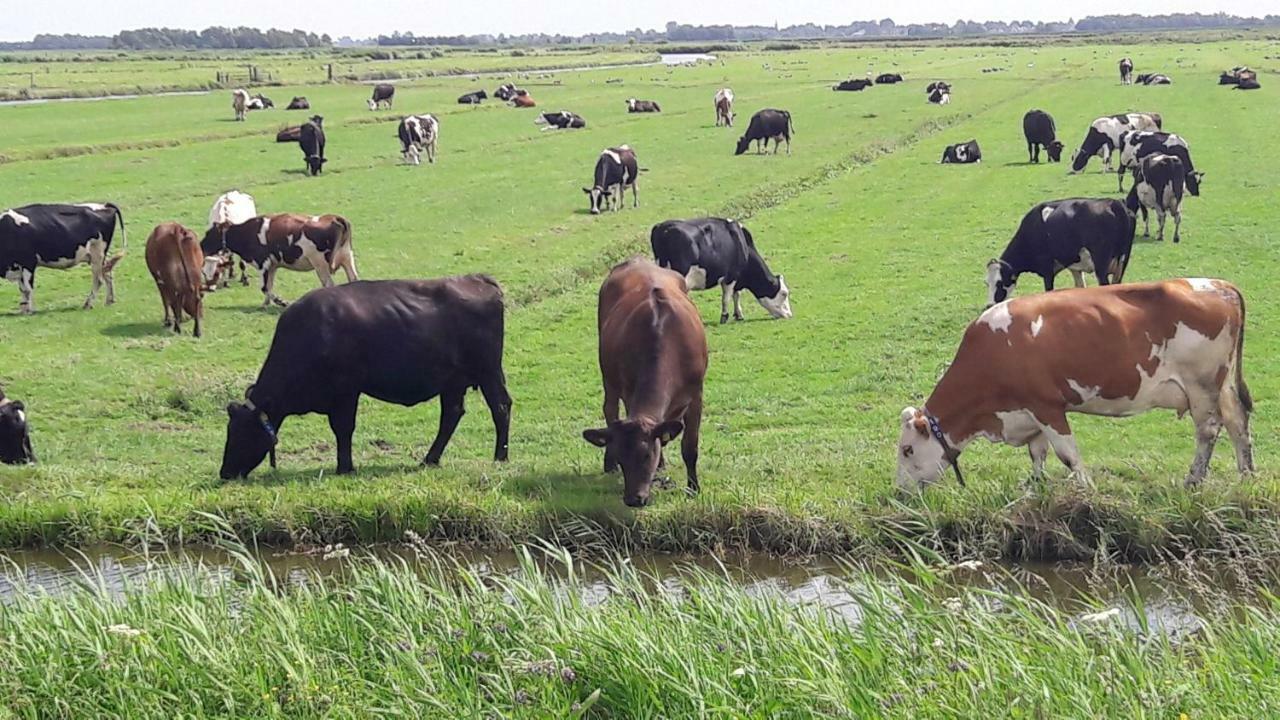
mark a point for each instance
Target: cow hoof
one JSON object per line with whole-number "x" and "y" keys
{"x": 346, "y": 470}
{"x": 724, "y": 319}
{"x": 428, "y": 461}
{"x": 737, "y": 316}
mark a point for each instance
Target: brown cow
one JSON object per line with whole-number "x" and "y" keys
{"x": 1113, "y": 350}
{"x": 724, "y": 107}
{"x": 523, "y": 101}
{"x": 653, "y": 358}
{"x": 175, "y": 260}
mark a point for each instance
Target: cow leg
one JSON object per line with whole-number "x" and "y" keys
{"x": 611, "y": 413}
{"x": 635, "y": 194}
{"x": 1177, "y": 222}
{"x": 1101, "y": 269}
{"x": 726, "y": 290}
{"x": 689, "y": 442}
{"x": 495, "y": 394}
{"x": 451, "y": 412}
{"x": 342, "y": 421}
{"x": 175, "y": 303}
{"x": 96, "y": 253}
{"x": 268, "y": 285}
{"x": 244, "y": 276}
{"x": 321, "y": 266}
{"x": 1077, "y": 277}
{"x": 1236, "y": 420}
{"x": 1160, "y": 219}
{"x": 1204, "y": 412}
{"x": 349, "y": 266}
{"x": 737, "y": 304}
{"x": 1038, "y": 448}
{"x": 1146, "y": 221}
{"x": 168, "y": 309}
{"x": 27, "y": 291}
{"x": 1064, "y": 446}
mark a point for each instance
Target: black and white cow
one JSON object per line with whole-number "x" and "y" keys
{"x": 311, "y": 140}
{"x": 852, "y": 85}
{"x": 321, "y": 243}
{"x": 473, "y": 98}
{"x": 962, "y": 153}
{"x": 1039, "y": 129}
{"x": 1135, "y": 146}
{"x": 260, "y": 102}
{"x": 15, "y": 436}
{"x": 713, "y": 251}
{"x": 383, "y": 94}
{"x": 1104, "y": 136}
{"x": 768, "y": 124}
{"x": 938, "y": 92}
{"x": 1126, "y": 71}
{"x": 888, "y": 79}
{"x": 1157, "y": 185}
{"x": 562, "y": 120}
{"x": 1154, "y": 79}
{"x": 418, "y": 133}
{"x": 507, "y": 91}
{"x": 642, "y": 106}
{"x": 1078, "y": 234}
{"x": 59, "y": 237}
{"x": 616, "y": 170}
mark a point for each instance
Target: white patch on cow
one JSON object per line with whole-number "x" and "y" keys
{"x": 631, "y": 103}
{"x": 1203, "y": 284}
{"x": 1174, "y": 141}
{"x": 1147, "y": 195}
{"x": 921, "y": 459}
{"x": 992, "y": 279}
{"x": 233, "y": 207}
{"x": 13, "y": 274}
{"x": 209, "y": 269}
{"x": 779, "y": 305}
{"x": 22, "y": 417}
{"x": 1087, "y": 394}
{"x": 1037, "y": 325}
{"x": 997, "y": 317}
{"x": 17, "y": 217}
{"x": 613, "y": 155}
{"x": 1046, "y": 212}
{"x": 1017, "y": 427}
{"x": 96, "y": 207}
{"x": 696, "y": 278}
{"x": 262, "y": 232}
{"x": 1084, "y": 264}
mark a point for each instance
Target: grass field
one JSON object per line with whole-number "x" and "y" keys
{"x": 884, "y": 251}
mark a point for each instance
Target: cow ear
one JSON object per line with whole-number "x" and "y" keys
{"x": 599, "y": 437}
{"x": 908, "y": 414}
{"x": 17, "y": 405}
{"x": 586, "y": 190}
{"x": 231, "y": 409}
{"x": 667, "y": 431}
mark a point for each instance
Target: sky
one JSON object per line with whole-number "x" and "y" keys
{"x": 21, "y": 21}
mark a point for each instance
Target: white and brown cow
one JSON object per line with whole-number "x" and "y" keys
{"x": 231, "y": 208}
{"x": 418, "y": 133}
{"x": 321, "y": 243}
{"x": 240, "y": 103}
{"x": 724, "y": 107}
{"x": 1020, "y": 369}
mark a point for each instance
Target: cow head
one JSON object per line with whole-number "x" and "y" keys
{"x": 1000, "y": 280}
{"x": 213, "y": 267}
{"x": 743, "y": 144}
{"x": 15, "y": 440}
{"x": 779, "y": 305}
{"x": 598, "y": 197}
{"x": 250, "y": 438}
{"x": 1193, "y": 182}
{"x": 373, "y": 104}
{"x": 921, "y": 456}
{"x": 1054, "y": 150}
{"x": 631, "y": 104}
{"x": 635, "y": 445}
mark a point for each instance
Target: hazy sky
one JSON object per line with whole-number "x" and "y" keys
{"x": 22, "y": 20}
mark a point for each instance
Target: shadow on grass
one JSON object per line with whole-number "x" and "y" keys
{"x": 303, "y": 473}
{"x": 144, "y": 329}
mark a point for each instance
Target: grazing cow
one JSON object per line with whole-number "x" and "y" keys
{"x": 724, "y": 107}
{"x": 1157, "y": 185}
{"x": 473, "y": 98}
{"x": 299, "y": 103}
{"x": 231, "y": 208}
{"x": 1039, "y": 129}
{"x": 59, "y": 237}
{"x": 523, "y": 101}
{"x": 1104, "y": 137}
{"x": 1126, "y": 71}
{"x": 383, "y": 94}
{"x": 418, "y": 132}
{"x": 853, "y": 85}
{"x": 15, "y": 436}
{"x": 1114, "y": 351}
{"x": 260, "y": 102}
{"x": 1136, "y": 145}
{"x": 962, "y": 153}
{"x": 714, "y": 251}
{"x": 175, "y": 262}
{"x": 642, "y": 106}
{"x": 508, "y": 91}
{"x": 653, "y": 359}
{"x": 240, "y": 103}
{"x": 311, "y": 140}
{"x": 616, "y": 169}
{"x": 888, "y": 79}
{"x": 400, "y": 341}
{"x": 766, "y": 125}
{"x": 321, "y": 243}
{"x": 291, "y": 134}
{"x": 1154, "y": 79}
{"x": 562, "y": 120}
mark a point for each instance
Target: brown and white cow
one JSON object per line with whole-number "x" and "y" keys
{"x": 724, "y": 107}
{"x": 240, "y": 103}
{"x": 653, "y": 359}
{"x": 523, "y": 101}
{"x": 174, "y": 260}
{"x": 1116, "y": 350}
{"x": 321, "y": 243}
{"x": 231, "y": 208}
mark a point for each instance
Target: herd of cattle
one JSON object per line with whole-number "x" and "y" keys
{"x": 1175, "y": 344}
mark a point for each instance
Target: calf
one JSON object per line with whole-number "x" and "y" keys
{"x": 175, "y": 261}
{"x": 473, "y": 98}
{"x": 418, "y": 132}
{"x": 766, "y": 125}
{"x": 562, "y": 120}
{"x": 523, "y": 101}
{"x": 1104, "y": 136}
{"x": 15, "y": 436}
{"x": 1113, "y": 351}
{"x": 962, "y": 153}
{"x": 724, "y": 107}
{"x": 311, "y": 140}
{"x": 240, "y": 103}
{"x": 1157, "y": 185}
{"x": 1039, "y": 129}
{"x": 321, "y": 243}
{"x": 853, "y": 85}
{"x": 653, "y": 359}
{"x": 231, "y": 208}
{"x": 299, "y": 103}
{"x": 714, "y": 251}
{"x": 1080, "y": 235}
{"x": 59, "y": 237}
{"x": 1136, "y": 145}
{"x": 399, "y": 341}
{"x": 616, "y": 170}
{"x": 642, "y": 106}
{"x": 888, "y": 79}
{"x": 1126, "y": 71}
{"x": 383, "y": 94}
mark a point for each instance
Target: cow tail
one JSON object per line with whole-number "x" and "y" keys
{"x": 1242, "y": 389}
{"x": 124, "y": 236}
{"x": 344, "y": 243}
{"x": 198, "y": 281}
{"x": 790, "y": 127}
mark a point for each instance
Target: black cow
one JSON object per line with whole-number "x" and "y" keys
{"x": 888, "y": 79}
{"x": 1248, "y": 84}
{"x": 1157, "y": 185}
{"x": 1039, "y": 129}
{"x": 617, "y": 169}
{"x": 59, "y": 237}
{"x": 400, "y": 341}
{"x": 1154, "y": 79}
{"x": 562, "y": 120}
{"x": 1136, "y": 145}
{"x": 1079, "y": 234}
{"x": 15, "y": 439}
{"x": 311, "y": 140}
{"x": 853, "y": 85}
{"x": 1126, "y": 71}
{"x": 383, "y": 93}
{"x": 714, "y": 251}
{"x": 768, "y": 124}
{"x": 473, "y": 98}
{"x": 962, "y": 153}
{"x": 299, "y": 103}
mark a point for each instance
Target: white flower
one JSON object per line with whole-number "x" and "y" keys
{"x": 123, "y": 630}
{"x": 969, "y": 565}
{"x": 739, "y": 672}
{"x": 939, "y": 643}
{"x": 1100, "y": 617}
{"x": 953, "y": 604}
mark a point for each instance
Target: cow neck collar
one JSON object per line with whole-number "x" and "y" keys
{"x": 950, "y": 453}
{"x": 262, "y": 417}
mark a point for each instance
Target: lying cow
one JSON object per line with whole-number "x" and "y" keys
{"x": 642, "y": 106}
{"x": 653, "y": 359}
{"x": 473, "y": 98}
{"x": 616, "y": 170}
{"x": 724, "y": 107}
{"x": 506, "y": 92}
{"x": 418, "y": 132}
{"x": 563, "y": 120}
{"x": 962, "y": 153}
{"x": 400, "y": 341}
{"x": 59, "y": 237}
{"x": 1126, "y": 71}
{"x": 1157, "y": 185}
{"x": 938, "y": 92}
{"x": 1040, "y": 131}
{"x": 888, "y": 78}
{"x": 260, "y": 102}
{"x": 1080, "y": 235}
{"x": 1135, "y": 146}
{"x": 1020, "y": 369}
{"x": 1104, "y": 136}
{"x": 175, "y": 261}
{"x": 766, "y": 125}
{"x": 1248, "y": 84}
{"x": 853, "y": 85}
{"x": 522, "y": 101}
{"x": 713, "y": 251}
{"x": 231, "y": 208}
{"x": 299, "y": 103}
{"x": 311, "y": 140}
{"x": 1154, "y": 79}
{"x": 383, "y": 94}
{"x": 320, "y": 243}
{"x": 15, "y": 436}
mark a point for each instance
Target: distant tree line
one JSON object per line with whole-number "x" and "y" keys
{"x": 218, "y": 38}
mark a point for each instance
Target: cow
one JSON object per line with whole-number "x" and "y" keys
{"x": 1157, "y": 185}
{"x": 938, "y": 92}
{"x": 1077, "y": 234}
{"x": 1238, "y": 75}
{"x": 1040, "y": 131}
{"x": 1248, "y": 84}
{"x": 642, "y": 106}
{"x": 240, "y": 103}
{"x": 962, "y": 153}
{"x": 231, "y": 208}
{"x": 714, "y": 251}
{"x": 1104, "y": 136}
{"x": 853, "y": 85}
{"x": 260, "y": 102}
{"x": 523, "y": 101}
{"x": 616, "y": 169}
{"x": 1154, "y": 79}
{"x": 175, "y": 260}
{"x": 59, "y": 237}
{"x": 653, "y": 359}
{"x": 311, "y": 140}
{"x": 15, "y": 436}
{"x": 473, "y": 98}
{"x": 766, "y": 125}
{"x": 1136, "y": 145}
{"x": 321, "y": 243}
{"x": 507, "y": 91}
{"x": 724, "y": 107}
{"x": 290, "y": 134}
{"x": 418, "y": 132}
{"x": 299, "y": 103}
{"x": 888, "y": 79}
{"x": 562, "y": 120}
{"x": 1126, "y": 71}
{"x": 1020, "y": 368}
{"x": 399, "y": 341}
{"x": 383, "y": 94}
